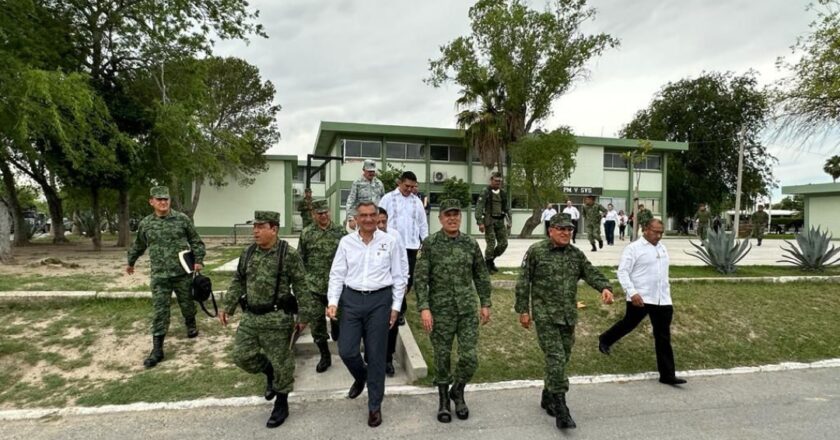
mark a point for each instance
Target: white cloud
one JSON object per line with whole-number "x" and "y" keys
{"x": 364, "y": 61}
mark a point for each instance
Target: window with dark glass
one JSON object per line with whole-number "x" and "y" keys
{"x": 371, "y": 149}
{"x": 414, "y": 151}
{"x": 614, "y": 160}
{"x": 440, "y": 152}
{"x": 457, "y": 154}
{"x": 345, "y": 193}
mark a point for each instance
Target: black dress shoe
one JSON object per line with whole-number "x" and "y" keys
{"x": 374, "y": 418}
{"x": 603, "y": 348}
{"x": 356, "y": 389}
{"x": 389, "y": 369}
{"x": 672, "y": 380}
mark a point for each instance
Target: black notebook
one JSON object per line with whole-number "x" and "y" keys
{"x": 187, "y": 260}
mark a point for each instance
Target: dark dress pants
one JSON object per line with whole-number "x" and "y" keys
{"x": 546, "y": 222}
{"x": 574, "y": 233}
{"x": 609, "y": 229}
{"x": 364, "y": 317}
{"x": 660, "y": 319}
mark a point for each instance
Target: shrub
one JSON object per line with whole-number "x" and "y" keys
{"x": 721, "y": 251}
{"x": 813, "y": 253}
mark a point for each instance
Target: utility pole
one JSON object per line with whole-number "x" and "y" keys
{"x": 736, "y": 223}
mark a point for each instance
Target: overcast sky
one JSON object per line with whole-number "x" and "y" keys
{"x": 364, "y": 61}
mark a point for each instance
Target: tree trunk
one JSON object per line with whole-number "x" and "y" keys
{"x": 531, "y": 224}
{"x": 190, "y": 210}
{"x": 5, "y": 229}
{"x": 56, "y": 213}
{"x": 123, "y": 214}
{"x": 13, "y": 205}
{"x": 97, "y": 219}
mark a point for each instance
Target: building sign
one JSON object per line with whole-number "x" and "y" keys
{"x": 583, "y": 190}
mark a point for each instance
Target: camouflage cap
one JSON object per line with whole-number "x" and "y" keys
{"x": 320, "y": 206}
{"x": 450, "y": 205}
{"x": 266, "y": 216}
{"x": 369, "y": 165}
{"x": 159, "y": 192}
{"x": 561, "y": 221}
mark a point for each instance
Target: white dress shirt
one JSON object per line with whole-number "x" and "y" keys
{"x": 547, "y": 214}
{"x": 407, "y": 215}
{"x": 572, "y": 211}
{"x": 643, "y": 269}
{"x": 611, "y": 215}
{"x": 396, "y": 234}
{"x": 381, "y": 263}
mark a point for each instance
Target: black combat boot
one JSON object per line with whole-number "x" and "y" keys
{"x": 547, "y": 403}
{"x": 489, "y": 263}
{"x": 280, "y": 412}
{"x": 444, "y": 414}
{"x": 563, "y": 419}
{"x": 192, "y": 329}
{"x": 326, "y": 359}
{"x": 593, "y": 248}
{"x": 600, "y": 244}
{"x": 156, "y": 354}
{"x": 269, "y": 382}
{"x": 457, "y": 396}
{"x": 759, "y": 242}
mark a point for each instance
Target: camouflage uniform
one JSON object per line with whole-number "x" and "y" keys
{"x": 165, "y": 237}
{"x": 304, "y": 207}
{"x": 704, "y": 217}
{"x": 759, "y": 221}
{"x": 592, "y": 222}
{"x": 495, "y": 229}
{"x": 264, "y": 339}
{"x": 364, "y": 190}
{"x": 446, "y": 270}
{"x": 317, "y": 248}
{"x": 548, "y": 282}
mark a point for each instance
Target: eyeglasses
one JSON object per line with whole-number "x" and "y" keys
{"x": 563, "y": 228}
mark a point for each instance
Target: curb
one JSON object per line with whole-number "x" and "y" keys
{"x": 511, "y": 284}
{"x": 402, "y": 390}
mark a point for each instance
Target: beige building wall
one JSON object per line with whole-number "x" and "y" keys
{"x": 231, "y": 204}
{"x": 823, "y": 211}
{"x": 589, "y": 169}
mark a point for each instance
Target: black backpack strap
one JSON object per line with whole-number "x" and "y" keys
{"x": 243, "y": 263}
{"x": 281, "y": 256}
{"x": 215, "y": 307}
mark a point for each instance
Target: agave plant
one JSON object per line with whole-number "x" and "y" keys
{"x": 721, "y": 251}
{"x": 813, "y": 252}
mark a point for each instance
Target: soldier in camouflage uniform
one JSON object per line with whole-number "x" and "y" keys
{"x": 318, "y": 243}
{"x": 262, "y": 343}
{"x": 592, "y": 213}
{"x": 491, "y": 212}
{"x": 645, "y": 216}
{"x": 759, "y": 221}
{"x": 548, "y": 283}
{"x": 365, "y": 188}
{"x": 704, "y": 217}
{"x": 165, "y": 233}
{"x": 304, "y": 207}
{"x": 449, "y": 264}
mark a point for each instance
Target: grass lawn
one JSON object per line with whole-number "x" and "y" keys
{"x": 89, "y": 352}
{"x": 511, "y": 273}
{"x": 715, "y": 326}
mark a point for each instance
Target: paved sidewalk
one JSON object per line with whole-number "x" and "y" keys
{"x": 800, "y": 404}
{"x": 765, "y": 255}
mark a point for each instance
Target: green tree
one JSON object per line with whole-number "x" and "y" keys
{"x": 389, "y": 177}
{"x": 714, "y": 113}
{"x": 832, "y": 167}
{"x": 636, "y": 157}
{"x": 541, "y": 162}
{"x": 456, "y": 188}
{"x": 513, "y": 66}
{"x": 808, "y": 100}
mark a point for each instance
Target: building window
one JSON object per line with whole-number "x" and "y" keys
{"x": 446, "y": 153}
{"x": 404, "y": 150}
{"x": 371, "y": 149}
{"x": 614, "y": 160}
{"x": 344, "y": 194}
{"x": 300, "y": 176}
{"x": 651, "y": 162}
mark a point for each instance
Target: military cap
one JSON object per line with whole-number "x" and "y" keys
{"x": 320, "y": 206}
{"x": 159, "y": 192}
{"x": 266, "y": 216}
{"x": 450, "y": 205}
{"x": 561, "y": 220}
{"x": 369, "y": 165}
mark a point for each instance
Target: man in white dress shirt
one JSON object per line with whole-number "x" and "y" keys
{"x": 643, "y": 274}
{"x": 575, "y": 214}
{"x": 367, "y": 281}
{"x": 547, "y": 213}
{"x": 394, "y": 331}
